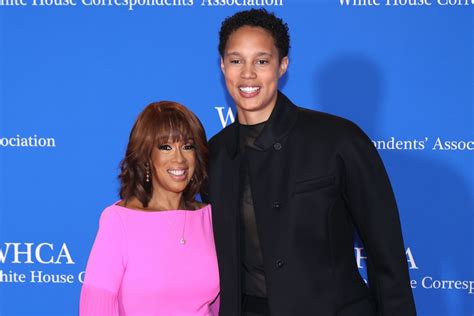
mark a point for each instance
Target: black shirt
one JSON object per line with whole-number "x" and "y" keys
{"x": 253, "y": 274}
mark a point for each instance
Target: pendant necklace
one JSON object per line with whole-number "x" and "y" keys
{"x": 182, "y": 241}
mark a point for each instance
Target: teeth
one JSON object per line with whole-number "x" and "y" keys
{"x": 176, "y": 172}
{"x": 249, "y": 89}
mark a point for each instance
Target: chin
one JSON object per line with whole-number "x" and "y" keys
{"x": 250, "y": 106}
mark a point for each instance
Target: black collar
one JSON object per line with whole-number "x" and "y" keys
{"x": 279, "y": 124}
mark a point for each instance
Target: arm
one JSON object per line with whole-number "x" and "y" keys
{"x": 370, "y": 198}
{"x": 105, "y": 268}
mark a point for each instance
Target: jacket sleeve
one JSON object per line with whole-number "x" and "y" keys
{"x": 105, "y": 268}
{"x": 371, "y": 201}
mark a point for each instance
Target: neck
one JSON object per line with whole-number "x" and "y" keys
{"x": 255, "y": 117}
{"x": 164, "y": 201}
{"x": 252, "y": 118}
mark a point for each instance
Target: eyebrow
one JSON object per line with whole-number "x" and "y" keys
{"x": 258, "y": 54}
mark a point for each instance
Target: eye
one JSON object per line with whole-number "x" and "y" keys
{"x": 234, "y": 61}
{"x": 164, "y": 147}
{"x": 262, "y": 62}
{"x": 189, "y": 147}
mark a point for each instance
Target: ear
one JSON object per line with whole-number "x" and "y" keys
{"x": 222, "y": 66}
{"x": 283, "y": 66}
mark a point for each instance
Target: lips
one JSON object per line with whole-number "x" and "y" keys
{"x": 178, "y": 174}
{"x": 249, "y": 91}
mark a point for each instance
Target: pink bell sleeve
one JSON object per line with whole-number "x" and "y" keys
{"x": 105, "y": 268}
{"x": 214, "y": 307}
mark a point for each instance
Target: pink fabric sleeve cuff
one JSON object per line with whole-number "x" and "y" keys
{"x": 97, "y": 302}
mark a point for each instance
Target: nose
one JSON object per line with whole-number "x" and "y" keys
{"x": 248, "y": 71}
{"x": 178, "y": 155}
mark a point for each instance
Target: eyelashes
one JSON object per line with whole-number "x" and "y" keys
{"x": 164, "y": 147}
{"x": 258, "y": 62}
{"x": 169, "y": 147}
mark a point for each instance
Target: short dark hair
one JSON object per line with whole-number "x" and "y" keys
{"x": 257, "y": 18}
{"x": 159, "y": 123}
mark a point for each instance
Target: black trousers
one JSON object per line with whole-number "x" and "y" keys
{"x": 254, "y": 306}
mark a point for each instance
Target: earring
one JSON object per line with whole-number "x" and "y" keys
{"x": 147, "y": 173}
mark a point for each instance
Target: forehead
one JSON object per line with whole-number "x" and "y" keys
{"x": 174, "y": 135}
{"x": 172, "y": 127}
{"x": 250, "y": 39}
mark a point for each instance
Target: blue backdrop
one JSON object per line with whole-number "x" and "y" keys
{"x": 73, "y": 78}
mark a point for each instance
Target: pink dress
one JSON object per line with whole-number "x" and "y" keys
{"x": 140, "y": 266}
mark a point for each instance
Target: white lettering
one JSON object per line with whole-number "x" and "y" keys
{"x": 38, "y": 253}
{"x": 17, "y": 252}
{"x": 27, "y": 251}
{"x": 13, "y": 3}
{"x": 81, "y": 276}
{"x": 12, "y": 277}
{"x": 31, "y": 141}
{"x": 359, "y": 256}
{"x": 359, "y": 3}
{"x": 408, "y": 2}
{"x": 229, "y": 116}
{"x": 243, "y": 3}
{"x": 454, "y": 2}
{"x": 429, "y": 283}
{"x": 411, "y": 260}
{"x": 4, "y": 253}
{"x": 393, "y": 144}
{"x": 453, "y": 145}
{"x": 64, "y": 253}
{"x": 40, "y": 277}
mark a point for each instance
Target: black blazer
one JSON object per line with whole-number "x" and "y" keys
{"x": 319, "y": 179}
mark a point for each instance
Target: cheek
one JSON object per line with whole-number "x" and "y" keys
{"x": 229, "y": 84}
{"x": 192, "y": 162}
{"x": 158, "y": 162}
{"x": 230, "y": 76}
{"x": 191, "y": 159}
{"x": 271, "y": 77}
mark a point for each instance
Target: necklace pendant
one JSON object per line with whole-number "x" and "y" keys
{"x": 182, "y": 241}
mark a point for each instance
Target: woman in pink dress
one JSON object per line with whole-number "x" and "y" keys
{"x": 154, "y": 252}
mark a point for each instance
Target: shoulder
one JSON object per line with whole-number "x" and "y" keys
{"x": 328, "y": 126}
{"x": 222, "y": 136}
{"x": 200, "y": 205}
{"x": 110, "y": 217}
{"x": 317, "y": 119}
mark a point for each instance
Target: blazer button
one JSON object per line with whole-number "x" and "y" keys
{"x": 277, "y": 146}
{"x": 280, "y": 263}
{"x": 276, "y": 205}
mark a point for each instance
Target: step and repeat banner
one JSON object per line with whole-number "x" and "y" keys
{"x": 74, "y": 74}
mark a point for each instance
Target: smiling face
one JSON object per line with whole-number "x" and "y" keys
{"x": 173, "y": 166}
{"x": 252, "y": 68}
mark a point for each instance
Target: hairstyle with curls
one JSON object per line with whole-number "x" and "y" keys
{"x": 258, "y": 18}
{"x": 159, "y": 123}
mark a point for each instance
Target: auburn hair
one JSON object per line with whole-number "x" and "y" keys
{"x": 160, "y": 123}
